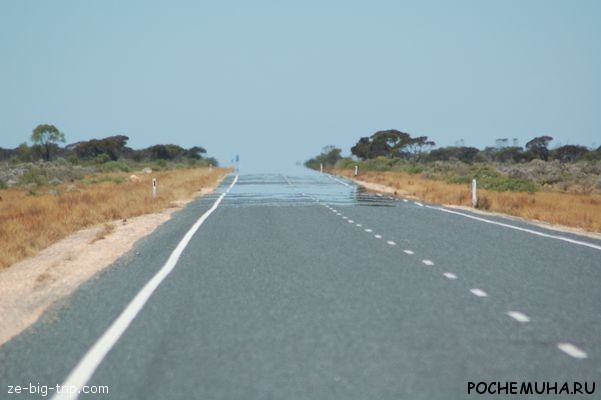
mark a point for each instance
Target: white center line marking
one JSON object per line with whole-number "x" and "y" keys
{"x": 479, "y": 292}
{"x": 350, "y": 221}
{"x": 450, "y": 275}
{"x": 409, "y": 251}
{"x": 571, "y": 350}
{"x": 518, "y": 316}
{"x": 427, "y": 262}
{"x": 378, "y": 236}
{"x": 343, "y": 217}
{"x": 390, "y": 242}
{"x": 86, "y": 367}
{"x": 368, "y": 230}
{"x": 359, "y": 225}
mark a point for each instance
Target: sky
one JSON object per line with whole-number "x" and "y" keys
{"x": 275, "y": 81}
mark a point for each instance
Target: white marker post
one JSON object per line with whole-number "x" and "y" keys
{"x": 320, "y": 167}
{"x": 474, "y": 193}
{"x": 210, "y": 167}
{"x": 356, "y": 170}
{"x": 154, "y": 188}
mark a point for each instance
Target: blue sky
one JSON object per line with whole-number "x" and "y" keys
{"x": 276, "y": 81}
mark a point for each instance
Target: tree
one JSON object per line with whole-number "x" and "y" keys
{"x": 111, "y": 146}
{"x": 509, "y": 154}
{"x": 47, "y": 136}
{"x": 465, "y": 154}
{"x": 569, "y": 153}
{"x": 24, "y": 152}
{"x": 419, "y": 145}
{"x": 539, "y": 147}
{"x": 195, "y": 152}
{"x": 388, "y": 143}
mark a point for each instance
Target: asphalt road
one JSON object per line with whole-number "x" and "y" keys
{"x": 304, "y": 287}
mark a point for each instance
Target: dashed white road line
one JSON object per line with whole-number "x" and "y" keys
{"x": 368, "y": 230}
{"x": 358, "y": 225}
{"x": 572, "y": 350}
{"x": 350, "y": 221}
{"x": 390, "y": 242}
{"x": 450, "y": 275}
{"x": 86, "y": 367}
{"x": 427, "y": 262}
{"x": 344, "y": 217}
{"x": 518, "y": 316}
{"x": 479, "y": 292}
{"x": 408, "y": 252}
{"x": 405, "y": 201}
{"x": 378, "y": 236}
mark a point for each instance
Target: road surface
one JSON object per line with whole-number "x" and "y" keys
{"x": 305, "y": 287}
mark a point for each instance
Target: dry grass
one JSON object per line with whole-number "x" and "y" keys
{"x": 31, "y": 221}
{"x": 573, "y": 210}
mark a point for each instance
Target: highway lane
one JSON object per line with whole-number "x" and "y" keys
{"x": 281, "y": 295}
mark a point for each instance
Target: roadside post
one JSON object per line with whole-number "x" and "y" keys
{"x": 320, "y": 167}
{"x": 356, "y": 170}
{"x": 210, "y": 167}
{"x": 474, "y": 193}
{"x": 154, "y": 188}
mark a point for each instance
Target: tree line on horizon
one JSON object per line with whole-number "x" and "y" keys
{"x": 46, "y": 147}
{"x": 394, "y": 144}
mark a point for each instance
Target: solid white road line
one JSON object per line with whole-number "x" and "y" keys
{"x": 417, "y": 203}
{"x": 427, "y": 262}
{"x": 479, "y": 292}
{"x": 84, "y": 370}
{"x": 409, "y": 252}
{"x": 450, "y": 275}
{"x": 531, "y": 231}
{"x": 338, "y": 180}
{"x": 518, "y": 316}
{"x": 571, "y": 350}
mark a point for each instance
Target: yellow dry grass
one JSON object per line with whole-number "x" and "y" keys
{"x": 568, "y": 209}
{"x": 29, "y": 223}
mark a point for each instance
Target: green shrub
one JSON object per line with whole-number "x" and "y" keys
{"x": 102, "y": 158}
{"x": 345, "y": 163}
{"x": 3, "y": 185}
{"x": 415, "y": 169}
{"x": 112, "y": 166}
{"x": 33, "y": 175}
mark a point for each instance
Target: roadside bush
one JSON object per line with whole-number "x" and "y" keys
{"x": 102, "y": 158}
{"x": 33, "y": 176}
{"x": 3, "y": 185}
{"x": 112, "y": 166}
